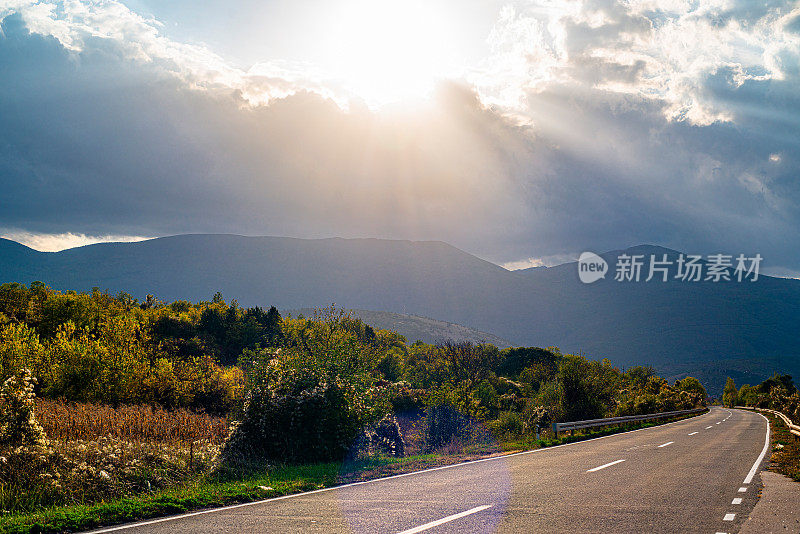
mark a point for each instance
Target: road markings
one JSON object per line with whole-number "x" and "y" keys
{"x": 729, "y": 517}
{"x": 749, "y": 478}
{"x": 692, "y": 433}
{"x": 709, "y": 426}
{"x": 718, "y": 422}
{"x": 609, "y": 464}
{"x": 665, "y": 444}
{"x": 447, "y": 519}
{"x": 737, "y": 500}
{"x": 742, "y": 489}
{"x": 373, "y": 481}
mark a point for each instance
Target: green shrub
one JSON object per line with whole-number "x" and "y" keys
{"x": 314, "y": 425}
{"x": 442, "y": 424}
{"x": 309, "y": 401}
{"x": 508, "y": 424}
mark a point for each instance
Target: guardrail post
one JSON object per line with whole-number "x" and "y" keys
{"x": 555, "y": 429}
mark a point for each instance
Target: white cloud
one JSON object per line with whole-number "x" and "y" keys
{"x": 670, "y": 48}
{"x": 659, "y": 50}
{"x": 81, "y": 25}
{"x": 56, "y": 242}
{"x": 544, "y": 261}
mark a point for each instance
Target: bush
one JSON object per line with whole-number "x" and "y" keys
{"x": 18, "y": 424}
{"x": 536, "y": 418}
{"x": 314, "y": 425}
{"x": 308, "y": 402}
{"x": 404, "y": 399}
{"x": 443, "y": 424}
{"x": 384, "y": 438}
{"x": 509, "y": 424}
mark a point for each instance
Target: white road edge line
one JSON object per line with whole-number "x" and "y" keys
{"x": 444, "y": 520}
{"x": 749, "y": 478}
{"x": 342, "y": 486}
{"x": 665, "y": 444}
{"x": 692, "y": 433}
{"x": 599, "y": 467}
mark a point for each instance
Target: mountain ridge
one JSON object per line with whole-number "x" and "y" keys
{"x": 704, "y": 328}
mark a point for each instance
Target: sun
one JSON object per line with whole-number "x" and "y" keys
{"x": 387, "y": 51}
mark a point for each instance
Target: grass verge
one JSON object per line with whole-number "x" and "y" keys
{"x": 207, "y": 491}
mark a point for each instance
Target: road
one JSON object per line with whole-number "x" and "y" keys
{"x": 695, "y": 475}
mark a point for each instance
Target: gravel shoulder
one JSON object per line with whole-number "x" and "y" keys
{"x": 777, "y": 509}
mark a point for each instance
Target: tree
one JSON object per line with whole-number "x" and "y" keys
{"x": 730, "y": 396}
{"x": 748, "y": 395}
{"x": 691, "y": 385}
{"x": 512, "y": 361}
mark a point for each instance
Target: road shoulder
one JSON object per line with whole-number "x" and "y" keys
{"x": 776, "y": 510}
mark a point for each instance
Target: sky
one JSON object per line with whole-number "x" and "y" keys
{"x": 523, "y": 132}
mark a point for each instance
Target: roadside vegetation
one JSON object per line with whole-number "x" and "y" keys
{"x": 785, "y": 458}
{"x": 777, "y": 393}
{"x": 113, "y": 409}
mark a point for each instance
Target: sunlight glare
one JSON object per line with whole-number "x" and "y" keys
{"x": 386, "y": 51}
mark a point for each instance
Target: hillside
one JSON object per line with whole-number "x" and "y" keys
{"x": 416, "y": 328}
{"x": 747, "y": 330}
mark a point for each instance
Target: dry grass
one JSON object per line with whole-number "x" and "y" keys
{"x": 86, "y": 421}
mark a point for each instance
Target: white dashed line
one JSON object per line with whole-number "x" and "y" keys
{"x": 742, "y": 489}
{"x": 665, "y": 444}
{"x": 609, "y": 464}
{"x": 692, "y": 433}
{"x": 447, "y": 519}
{"x": 709, "y": 426}
{"x": 737, "y": 500}
{"x": 729, "y": 517}
{"x": 718, "y": 422}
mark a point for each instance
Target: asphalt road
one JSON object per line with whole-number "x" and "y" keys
{"x": 696, "y": 475}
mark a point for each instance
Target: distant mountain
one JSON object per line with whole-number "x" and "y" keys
{"x": 530, "y": 269}
{"x": 416, "y": 328}
{"x": 747, "y": 330}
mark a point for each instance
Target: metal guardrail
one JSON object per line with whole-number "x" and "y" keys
{"x": 590, "y": 423}
{"x": 793, "y": 428}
